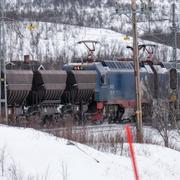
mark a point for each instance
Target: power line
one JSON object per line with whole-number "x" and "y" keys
{"x": 145, "y": 9}
{"x": 145, "y": 31}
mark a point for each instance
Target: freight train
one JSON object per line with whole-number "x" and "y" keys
{"x": 85, "y": 92}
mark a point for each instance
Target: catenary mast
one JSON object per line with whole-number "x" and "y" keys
{"x": 3, "y": 92}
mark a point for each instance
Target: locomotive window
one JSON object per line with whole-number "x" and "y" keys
{"x": 103, "y": 79}
{"x": 104, "y": 64}
{"x": 173, "y": 78}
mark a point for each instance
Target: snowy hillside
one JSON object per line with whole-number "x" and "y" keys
{"x": 96, "y": 13}
{"x": 28, "y": 154}
{"x": 57, "y": 41}
{"x": 51, "y": 41}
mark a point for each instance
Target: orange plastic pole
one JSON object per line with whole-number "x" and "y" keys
{"x": 129, "y": 138}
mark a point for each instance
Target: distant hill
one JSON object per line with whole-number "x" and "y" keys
{"x": 54, "y": 37}
{"x": 92, "y": 13}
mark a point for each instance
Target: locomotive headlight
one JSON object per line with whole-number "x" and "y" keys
{"x": 78, "y": 68}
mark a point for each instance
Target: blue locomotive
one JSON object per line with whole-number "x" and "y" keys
{"x": 86, "y": 92}
{"x": 114, "y": 94}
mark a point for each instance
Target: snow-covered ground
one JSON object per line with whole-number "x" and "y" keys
{"x": 29, "y": 154}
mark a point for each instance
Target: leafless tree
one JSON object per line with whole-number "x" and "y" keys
{"x": 161, "y": 119}
{"x": 2, "y": 160}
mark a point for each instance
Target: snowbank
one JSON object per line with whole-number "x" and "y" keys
{"x": 31, "y": 154}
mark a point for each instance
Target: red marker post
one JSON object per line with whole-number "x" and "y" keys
{"x": 129, "y": 138}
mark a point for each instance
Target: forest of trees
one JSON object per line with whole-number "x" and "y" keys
{"x": 89, "y": 13}
{"x": 81, "y": 13}
{"x": 74, "y": 12}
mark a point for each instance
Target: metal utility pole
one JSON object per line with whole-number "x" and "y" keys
{"x": 3, "y": 92}
{"x": 137, "y": 74}
{"x": 133, "y": 10}
{"x": 175, "y": 105}
{"x": 174, "y": 30}
{"x": 149, "y": 14}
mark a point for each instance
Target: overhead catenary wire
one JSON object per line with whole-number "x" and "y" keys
{"x": 142, "y": 29}
{"x": 145, "y": 30}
